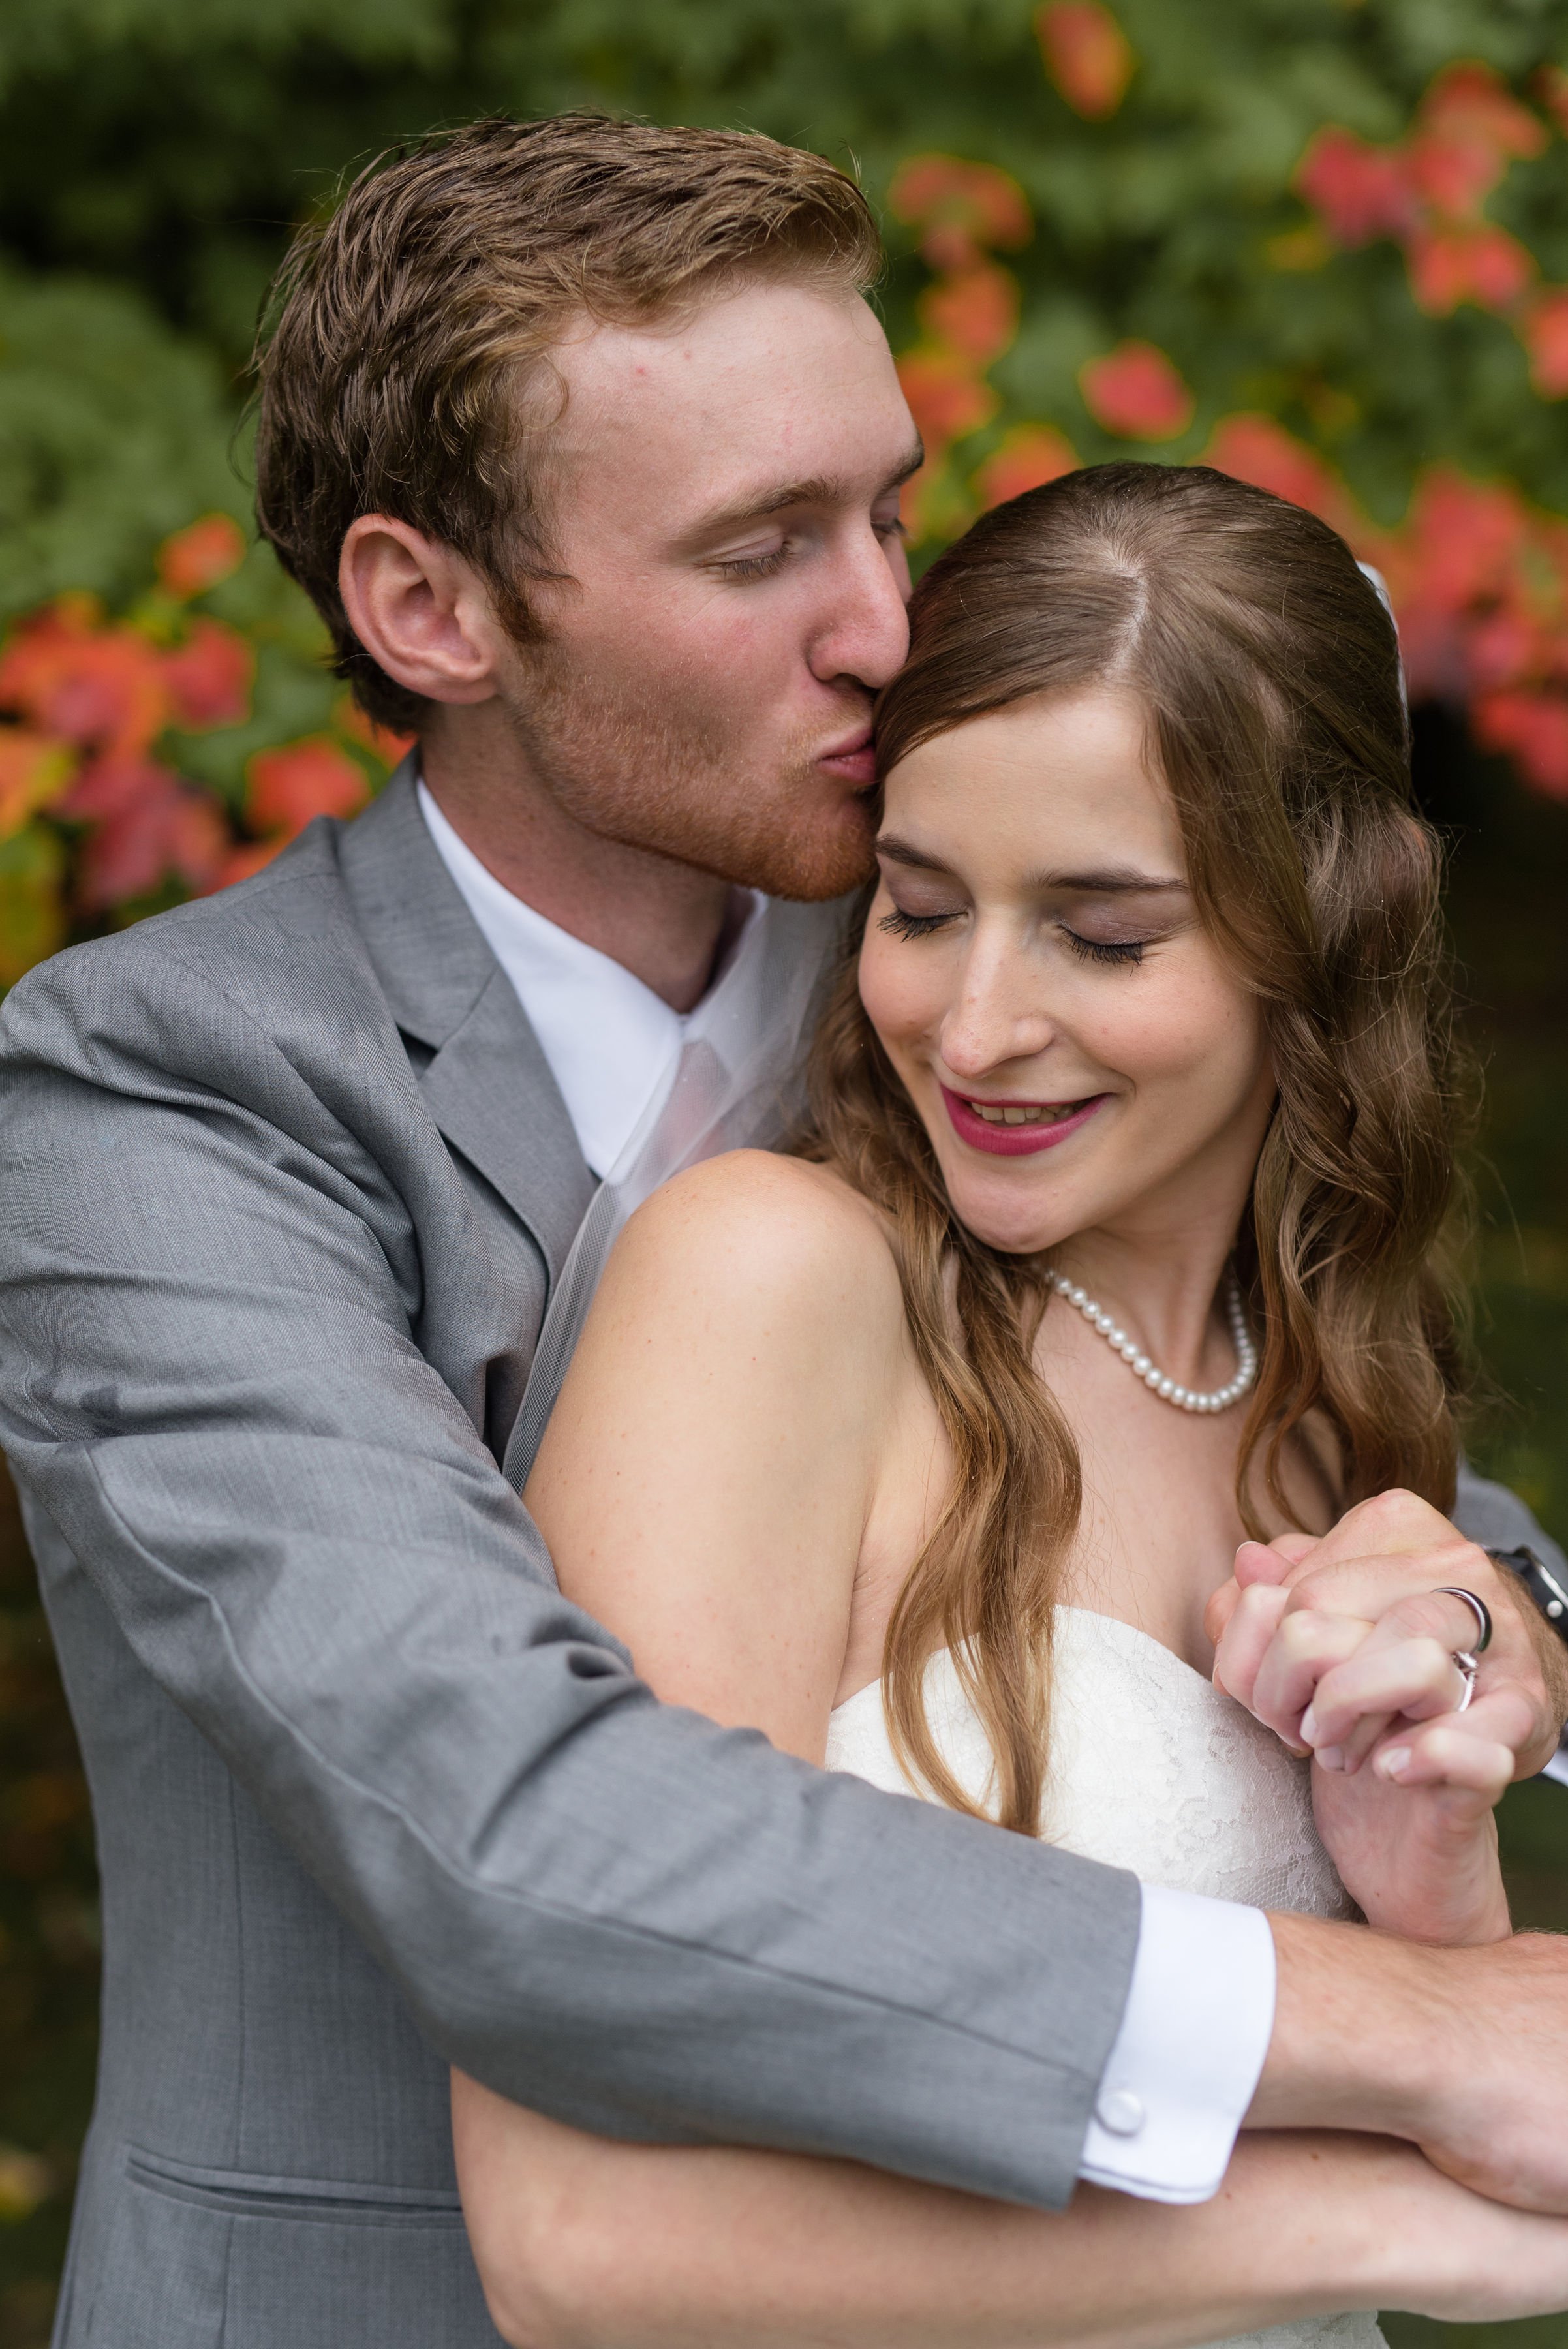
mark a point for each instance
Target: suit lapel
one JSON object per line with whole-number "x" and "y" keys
{"x": 488, "y": 1084}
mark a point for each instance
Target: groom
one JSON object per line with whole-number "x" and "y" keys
{"x": 589, "y": 454}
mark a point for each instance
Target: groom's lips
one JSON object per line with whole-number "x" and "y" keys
{"x": 1057, "y": 1119}
{"x": 854, "y": 759}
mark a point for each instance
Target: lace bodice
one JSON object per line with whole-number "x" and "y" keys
{"x": 1152, "y": 1769}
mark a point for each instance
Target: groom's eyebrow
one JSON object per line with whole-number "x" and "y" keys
{"x": 815, "y": 490}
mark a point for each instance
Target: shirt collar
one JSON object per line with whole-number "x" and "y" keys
{"x": 609, "y": 1040}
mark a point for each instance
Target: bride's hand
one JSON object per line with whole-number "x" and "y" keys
{"x": 1343, "y": 1657}
{"x": 1300, "y": 1609}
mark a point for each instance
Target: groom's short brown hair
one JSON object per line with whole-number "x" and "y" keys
{"x": 403, "y": 374}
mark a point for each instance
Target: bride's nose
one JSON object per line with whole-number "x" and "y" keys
{"x": 997, "y": 1016}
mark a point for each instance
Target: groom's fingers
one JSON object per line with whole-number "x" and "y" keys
{"x": 1475, "y": 1751}
{"x": 1389, "y": 1524}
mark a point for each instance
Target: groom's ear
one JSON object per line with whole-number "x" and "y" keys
{"x": 421, "y": 613}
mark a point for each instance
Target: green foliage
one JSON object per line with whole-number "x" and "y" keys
{"x": 169, "y": 144}
{"x": 113, "y": 432}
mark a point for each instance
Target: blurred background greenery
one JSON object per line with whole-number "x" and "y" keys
{"x": 1321, "y": 243}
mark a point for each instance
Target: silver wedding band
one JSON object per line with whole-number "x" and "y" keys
{"x": 1467, "y": 1660}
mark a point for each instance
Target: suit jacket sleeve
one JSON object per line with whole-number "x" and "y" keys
{"x": 211, "y": 1381}
{"x": 1498, "y": 1519}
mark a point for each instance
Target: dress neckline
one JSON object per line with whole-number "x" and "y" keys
{"x": 1117, "y": 1623}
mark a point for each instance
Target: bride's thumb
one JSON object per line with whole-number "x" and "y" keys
{"x": 1257, "y": 1562}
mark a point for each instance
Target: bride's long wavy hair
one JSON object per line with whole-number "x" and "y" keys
{"x": 1269, "y": 672}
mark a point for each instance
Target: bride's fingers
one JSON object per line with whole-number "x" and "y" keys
{"x": 1355, "y": 1700}
{"x": 1420, "y": 1633}
{"x": 1275, "y": 1561}
{"x": 1303, "y": 1649}
{"x": 1254, "y": 1617}
{"x": 1217, "y": 1614}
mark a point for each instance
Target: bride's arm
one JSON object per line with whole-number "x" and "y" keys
{"x": 584, "y": 2244}
{"x": 706, "y": 1477}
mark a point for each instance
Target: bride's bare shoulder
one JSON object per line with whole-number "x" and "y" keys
{"x": 756, "y": 1229}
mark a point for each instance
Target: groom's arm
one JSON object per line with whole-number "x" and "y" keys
{"x": 211, "y": 1385}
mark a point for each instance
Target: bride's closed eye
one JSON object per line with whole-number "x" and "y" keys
{"x": 1123, "y": 950}
{"x": 913, "y": 926}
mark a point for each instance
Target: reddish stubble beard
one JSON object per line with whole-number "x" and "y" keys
{"x": 693, "y": 783}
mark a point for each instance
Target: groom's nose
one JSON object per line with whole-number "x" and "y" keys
{"x": 863, "y": 631}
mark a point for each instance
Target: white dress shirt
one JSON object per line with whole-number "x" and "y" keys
{"x": 1200, "y": 2009}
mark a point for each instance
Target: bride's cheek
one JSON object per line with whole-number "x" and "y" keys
{"x": 899, "y": 998}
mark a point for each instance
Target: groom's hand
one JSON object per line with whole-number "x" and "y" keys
{"x": 1463, "y": 2052}
{"x": 1350, "y": 1632}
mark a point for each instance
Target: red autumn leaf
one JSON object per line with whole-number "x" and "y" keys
{"x": 974, "y": 312}
{"x": 945, "y": 396}
{"x": 959, "y": 208}
{"x": 1028, "y": 456}
{"x": 1544, "y": 330}
{"x": 35, "y": 770}
{"x": 162, "y": 827}
{"x": 286, "y": 789}
{"x": 76, "y": 676}
{"x": 1532, "y": 730}
{"x": 114, "y": 780}
{"x": 1504, "y": 648}
{"x": 1469, "y": 101}
{"x": 208, "y": 678}
{"x": 1454, "y": 176}
{"x": 199, "y": 557}
{"x": 1135, "y": 392}
{"x": 1086, "y": 56}
{"x": 1254, "y": 448}
{"x": 1468, "y": 537}
{"x": 1449, "y": 265}
{"x": 1357, "y": 192}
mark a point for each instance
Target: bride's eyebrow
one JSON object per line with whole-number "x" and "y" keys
{"x": 904, "y": 852}
{"x": 1108, "y": 881}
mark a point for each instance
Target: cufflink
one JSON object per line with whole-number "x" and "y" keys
{"x": 1120, "y": 2112}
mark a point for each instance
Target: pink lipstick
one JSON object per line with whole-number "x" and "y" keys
{"x": 1017, "y": 1141}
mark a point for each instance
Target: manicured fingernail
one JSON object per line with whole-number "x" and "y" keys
{"x": 1396, "y": 1761}
{"x": 1330, "y": 1757}
{"x": 1309, "y": 1727}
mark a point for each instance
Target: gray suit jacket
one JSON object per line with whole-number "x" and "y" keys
{"x": 286, "y": 1181}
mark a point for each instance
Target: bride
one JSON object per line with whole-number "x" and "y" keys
{"x": 1113, "y": 1239}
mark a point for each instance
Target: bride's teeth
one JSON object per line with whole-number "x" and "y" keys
{"x": 1032, "y": 1114}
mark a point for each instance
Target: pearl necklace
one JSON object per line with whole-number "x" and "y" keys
{"x": 1150, "y": 1372}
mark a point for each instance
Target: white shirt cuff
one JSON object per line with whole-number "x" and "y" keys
{"x": 1189, "y": 2054}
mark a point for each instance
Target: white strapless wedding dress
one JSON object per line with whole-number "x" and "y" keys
{"x": 1152, "y": 1769}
